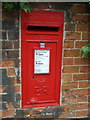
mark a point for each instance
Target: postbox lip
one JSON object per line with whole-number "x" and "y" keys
{"x": 45, "y": 11}
{"x": 44, "y": 24}
{"x": 43, "y": 18}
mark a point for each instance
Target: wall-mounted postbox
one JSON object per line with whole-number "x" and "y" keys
{"x": 41, "y": 56}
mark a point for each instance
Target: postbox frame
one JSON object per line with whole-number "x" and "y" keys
{"x": 24, "y": 33}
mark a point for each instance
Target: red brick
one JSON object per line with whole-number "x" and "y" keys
{"x": 81, "y": 113}
{"x": 67, "y": 77}
{"x": 79, "y": 8}
{"x": 69, "y": 44}
{"x": 69, "y": 99}
{"x": 7, "y": 63}
{"x": 80, "y": 44}
{"x": 1, "y": 114}
{"x": 2, "y": 88}
{"x": 17, "y": 88}
{"x": 3, "y": 36}
{"x": 8, "y": 113}
{"x": 40, "y": 116}
{"x": 79, "y": 106}
{"x": 77, "y": 77}
{"x": 40, "y": 5}
{"x": 89, "y": 113}
{"x": 7, "y": 45}
{"x": 86, "y": 36}
{"x": 66, "y": 115}
{"x": 82, "y": 27}
{"x": 11, "y": 72}
{"x": 31, "y": 117}
{"x": 12, "y": 54}
{"x": 17, "y": 63}
{"x": 14, "y": 80}
{"x": 76, "y": 92}
{"x": 85, "y": 69}
{"x": 17, "y": 105}
{"x": 70, "y": 27}
{"x": 82, "y": 98}
{"x": 82, "y": 61}
{"x": 81, "y": 18}
{"x": 10, "y": 15}
{"x": 71, "y": 69}
{"x": 84, "y": 84}
{"x": 73, "y": 36}
{"x": 34, "y": 111}
{"x": 72, "y": 53}
{"x": 68, "y": 61}
{"x": 69, "y": 85}
{"x": 89, "y": 99}
{"x": 10, "y": 106}
{"x": 16, "y": 44}
{"x": 74, "y": 99}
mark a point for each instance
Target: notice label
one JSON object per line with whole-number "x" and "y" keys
{"x": 41, "y": 61}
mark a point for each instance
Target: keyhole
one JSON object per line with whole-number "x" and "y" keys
{"x": 33, "y": 77}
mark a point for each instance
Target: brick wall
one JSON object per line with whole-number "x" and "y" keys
{"x": 75, "y": 74}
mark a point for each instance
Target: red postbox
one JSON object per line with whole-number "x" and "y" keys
{"x": 41, "y": 53}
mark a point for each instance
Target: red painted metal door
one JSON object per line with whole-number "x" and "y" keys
{"x": 41, "y": 62}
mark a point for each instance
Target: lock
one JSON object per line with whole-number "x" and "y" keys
{"x": 42, "y": 44}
